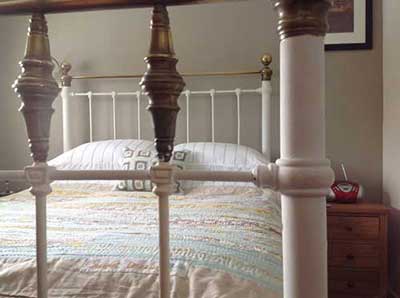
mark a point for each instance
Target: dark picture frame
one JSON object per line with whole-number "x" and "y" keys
{"x": 367, "y": 42}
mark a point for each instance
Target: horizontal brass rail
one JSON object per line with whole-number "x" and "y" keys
{"x": 138, "y": 76}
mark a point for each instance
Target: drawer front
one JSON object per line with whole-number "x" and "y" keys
{"x": 347, "y": 228}
{"x": 365, "y": 283}
{"x": 353, "y": 255}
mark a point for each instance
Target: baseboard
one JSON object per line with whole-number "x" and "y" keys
{"x": 392, "y": 294}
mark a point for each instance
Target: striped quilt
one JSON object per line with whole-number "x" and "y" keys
{"x": 225, "y": 242}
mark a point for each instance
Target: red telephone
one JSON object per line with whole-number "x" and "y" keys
{"x": 345, "y": 191}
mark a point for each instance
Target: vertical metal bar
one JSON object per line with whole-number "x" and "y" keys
{"x": 38, "y": 176}
{"x": 239, "y": 125}
{"x": 139, "y": 121}
{"x": 90, "y": 97}
{"x": 66, "y": 81}
{"x": 162, "y": 175}
{"x": 41, "y": 245}
{"x": 212, "y": 94}
{"x": 163, "y": 202}
{"x": 114, "y": 99}
{"x": 187, "y": 93}
{"x": 266, "y": 106}
{"x": 66, "y": 118}
{"x": 266, "y": 118}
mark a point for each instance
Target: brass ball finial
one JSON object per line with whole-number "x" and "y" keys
{"x": 66, "y": 79}
{"x": 266, "y": 72}
{"x": 266, "y": 60}
{"x": 65, "y": 68}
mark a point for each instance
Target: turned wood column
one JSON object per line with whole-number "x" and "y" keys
{"x": 162, "y": 83}
{"x": 304, "y": 173}
{"x": 37, "y": 90}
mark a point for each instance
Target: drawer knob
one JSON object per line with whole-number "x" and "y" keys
{"x": 350, "y": 257}
{"x": 351, "y": 284}
{"x": 349, "y": 229}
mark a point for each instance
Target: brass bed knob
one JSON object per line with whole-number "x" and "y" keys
{"x": 266, "y": 72}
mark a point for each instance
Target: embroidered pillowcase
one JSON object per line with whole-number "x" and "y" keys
{"x": 100, "y": 155}
{"x": 144, "y": 160}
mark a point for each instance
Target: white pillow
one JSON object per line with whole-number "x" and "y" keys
{"x": 101, "y": 155}
{"x": 219, "y": 157}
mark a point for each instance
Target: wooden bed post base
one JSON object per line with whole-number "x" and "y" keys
{"x": 37, "y": 89}
{"x": 304, "y": 174}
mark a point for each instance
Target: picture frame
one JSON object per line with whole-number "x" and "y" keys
{"x": 351, "y": 25}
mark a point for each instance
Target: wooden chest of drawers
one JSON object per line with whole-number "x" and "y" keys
{"x": 357, "y": 250}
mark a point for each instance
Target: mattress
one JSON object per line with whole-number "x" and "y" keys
{"x": 225, "y": 243}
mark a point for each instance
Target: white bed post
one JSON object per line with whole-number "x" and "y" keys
{"x": 304, "y": 173}
{"x": 162, "y": 176}
{"x": 37, "y": 89}
{"x": 66, "y": 80}
{"x": 266, "y": 107}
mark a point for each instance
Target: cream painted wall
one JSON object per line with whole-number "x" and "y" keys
{"x": 354, "y": 111}
{"x": 391, "y": 120}
{"x": 224, "y": 37}
{"x": 391, "y": 124}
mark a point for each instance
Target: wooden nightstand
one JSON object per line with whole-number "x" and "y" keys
{"x": 357, "y": 250}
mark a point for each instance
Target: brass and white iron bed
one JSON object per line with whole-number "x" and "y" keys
{"x": 302, "y": 175}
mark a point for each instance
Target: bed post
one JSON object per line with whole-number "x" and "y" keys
{"x": 37, "y": 89}
{"x": 266, "y": 110}
{"x": 304, "y": 172}
{"x": 66, "y": 80}
{"x": 163, "y": 85}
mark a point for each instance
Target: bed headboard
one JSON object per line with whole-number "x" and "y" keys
{"x": 263, "y": 90}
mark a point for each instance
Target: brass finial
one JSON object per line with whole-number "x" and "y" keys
{"x": 161, "y": 38}
{"x": 66, "y": 79}
{"x": 37, "y": 88}
{"x": 266, "y": 72}
{"x": 302, "y": 17}
{"x": 162, "y": 83}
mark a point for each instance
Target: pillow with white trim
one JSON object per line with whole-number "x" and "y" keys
{"x": 101, "y": 155}
{"x": 143, "y": 160}
{"x": 219, "y": 157}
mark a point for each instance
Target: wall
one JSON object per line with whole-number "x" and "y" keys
{"x": 354, "y": 111}
{"x": 226, "y": 37}
{"x": 391, "y": 124}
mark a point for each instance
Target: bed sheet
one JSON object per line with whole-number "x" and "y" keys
{"x": 225, "y": 242}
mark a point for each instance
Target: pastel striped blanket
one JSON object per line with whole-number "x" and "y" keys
{"x": 225, "y": 242}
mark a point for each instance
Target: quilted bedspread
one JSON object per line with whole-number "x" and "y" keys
{"x": 225, "y": 243}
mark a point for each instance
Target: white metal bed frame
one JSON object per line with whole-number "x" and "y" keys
{"x": 302, "y": 174}
{"x": 265, "y": 92}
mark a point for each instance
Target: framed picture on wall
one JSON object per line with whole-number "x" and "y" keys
{"x": 350, "y": 25}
